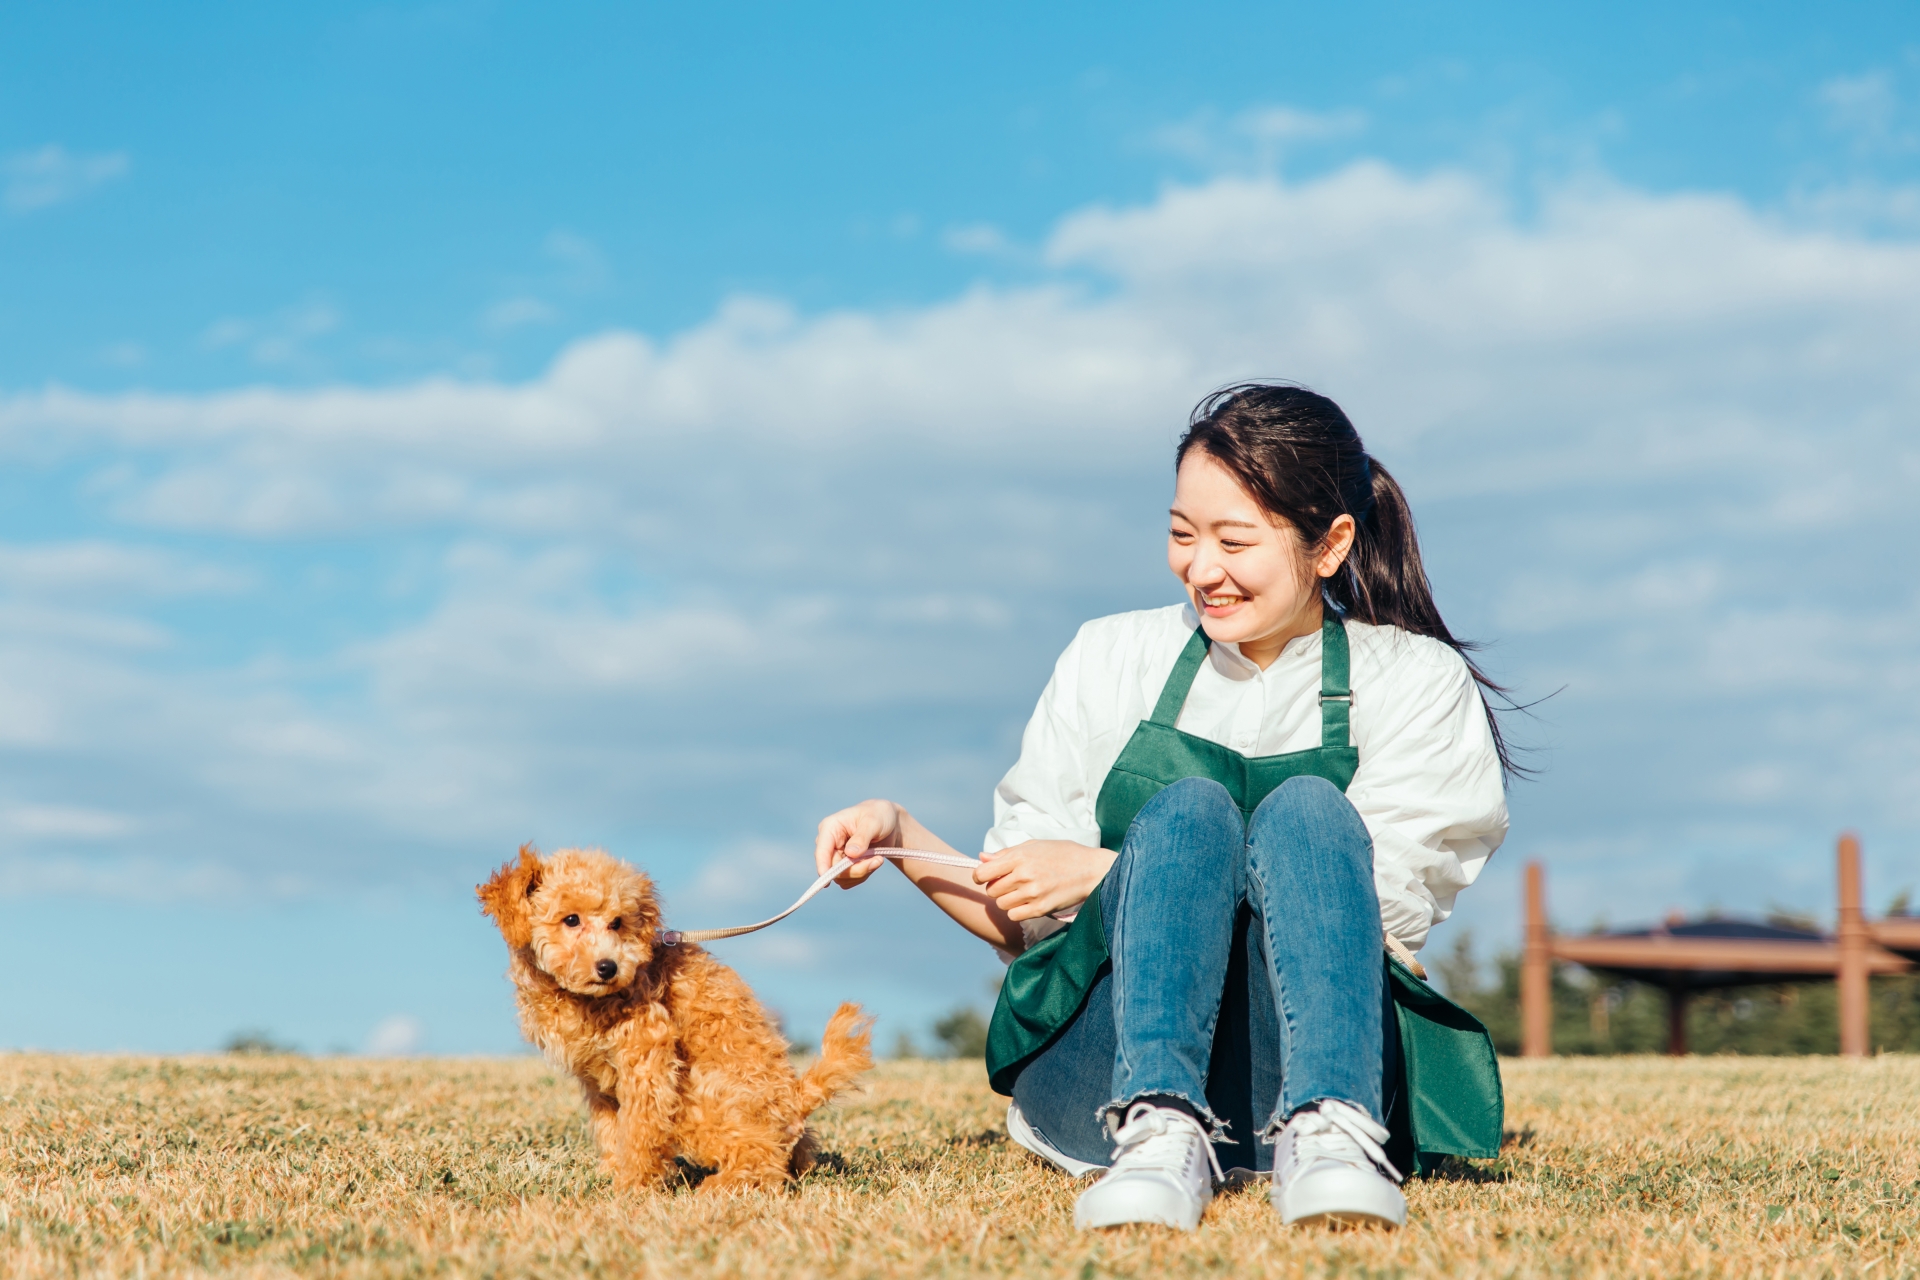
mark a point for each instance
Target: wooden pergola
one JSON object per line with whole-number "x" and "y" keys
{"x": 1682, "y": 958}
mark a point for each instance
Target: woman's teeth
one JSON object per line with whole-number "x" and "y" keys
{"x": 1221, "y": 602}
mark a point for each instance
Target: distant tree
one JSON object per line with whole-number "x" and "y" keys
{"x": 963, "y": 1032}
{"x": 257, "y": 1043}
{"x": 903, "y": 1046}
{"x": 1790, "y": 918}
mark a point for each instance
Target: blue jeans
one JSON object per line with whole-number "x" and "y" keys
{"x": 1246, "y": 978}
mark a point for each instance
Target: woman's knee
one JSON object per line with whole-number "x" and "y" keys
{"x": 1307, "y": 814}
{"x": 1191, "y": 810}
{"x": 1187, "y": 836}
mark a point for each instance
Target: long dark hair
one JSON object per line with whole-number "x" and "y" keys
{"x": 1299, "y": 456}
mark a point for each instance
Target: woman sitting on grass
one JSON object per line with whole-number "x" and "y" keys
{"x": 1220, "y": 812}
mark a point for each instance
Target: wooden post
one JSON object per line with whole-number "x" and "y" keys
{"x": 1676, "y": 1016}
{"x": 1536, "y": 973}
{"x": 1853, "y": 953}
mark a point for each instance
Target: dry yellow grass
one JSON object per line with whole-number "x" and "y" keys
{"x": 156, "y": 1167}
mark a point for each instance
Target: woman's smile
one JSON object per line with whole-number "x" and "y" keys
{"x": 1219, "y": 604}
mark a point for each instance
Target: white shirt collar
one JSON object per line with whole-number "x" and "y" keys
{"x": 1231, "y": 663}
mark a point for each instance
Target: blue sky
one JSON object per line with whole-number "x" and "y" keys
{"x": 428, "y": 428}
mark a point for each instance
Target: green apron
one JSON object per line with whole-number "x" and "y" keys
{"x": 1448, "y": 1100}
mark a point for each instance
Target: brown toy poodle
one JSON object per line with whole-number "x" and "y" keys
{"x": 675, "y": 1055}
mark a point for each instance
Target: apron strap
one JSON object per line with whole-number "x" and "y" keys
{"x": 1173, "y": 694}
{"x": 1336, "y": 695}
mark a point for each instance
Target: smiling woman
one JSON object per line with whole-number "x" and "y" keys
{"x": 1218, "y": 811}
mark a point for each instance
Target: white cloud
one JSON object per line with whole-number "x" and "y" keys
{"x": 979, "y": 238}
{"x": 1259, "y": 138}
{"x": 87, "y": 877}
{"x": 278, "y": 341}
{"x": 95, "y": 567}
{"x": 63, "y": 822}
{"x": 717, "y": 582}
{"x": 53, "y": 175}
{"x": 1861, "y": 206}
{"x": 517, "y": 313}
{"x": 583, "y": 265}
{"x": 1867, "y": 108}
{"x": 754, "y": 878}
{"x": 1650, "y": 332}
{"x": 1290, "y": 124}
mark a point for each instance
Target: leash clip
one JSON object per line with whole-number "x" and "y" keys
{"x": 669, "y": 937}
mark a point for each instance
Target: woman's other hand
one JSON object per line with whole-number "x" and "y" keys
{"x": 851, "y": 832}
{"x": 1040, "y": 877}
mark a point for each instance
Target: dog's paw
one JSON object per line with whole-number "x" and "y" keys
{"x": 647, "y": 1181}
{"x": 732, "y": 1180}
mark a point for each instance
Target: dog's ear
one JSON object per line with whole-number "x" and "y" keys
{"x": 505, "y": 896}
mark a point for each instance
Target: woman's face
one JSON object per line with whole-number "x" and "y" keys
{"x": 1245, "y": 571}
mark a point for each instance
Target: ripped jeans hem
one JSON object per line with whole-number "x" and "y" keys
{"x": 1114, "y": 1114}
{"x": 1278, "y": 1124}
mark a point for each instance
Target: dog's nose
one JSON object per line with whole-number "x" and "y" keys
{"x": 606, "y": 969}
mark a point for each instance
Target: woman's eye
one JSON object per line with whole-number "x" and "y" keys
{"x": 1181, "y": 534}
{"x": 572, "y": 922}
{"x": 614, "y": 924}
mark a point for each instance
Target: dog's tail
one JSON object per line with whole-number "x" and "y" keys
{"x": 845, "y": 1051}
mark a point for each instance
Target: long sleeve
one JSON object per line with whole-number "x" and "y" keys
{"x": 1046, "y": 795}
{"x": 1429, "y": 786}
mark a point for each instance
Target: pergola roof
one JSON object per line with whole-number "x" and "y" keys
{"x": 1705, "y": 955}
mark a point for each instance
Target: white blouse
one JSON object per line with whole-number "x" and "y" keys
{"x": 1428, "y": 787}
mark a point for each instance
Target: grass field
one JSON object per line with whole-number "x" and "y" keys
{"x": 340, "y": 1167}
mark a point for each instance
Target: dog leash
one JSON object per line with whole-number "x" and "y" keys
{"x": 674, "y": 937}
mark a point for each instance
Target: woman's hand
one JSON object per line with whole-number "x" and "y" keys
{"x": 1041, "y": 877}
{"x": 851, "y": 832}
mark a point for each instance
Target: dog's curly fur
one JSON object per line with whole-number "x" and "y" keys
{"x": 673, "y": 1052}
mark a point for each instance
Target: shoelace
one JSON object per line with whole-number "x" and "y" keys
{"x": 1153, "y": 1138}
{"x": 1340, "y": 1131}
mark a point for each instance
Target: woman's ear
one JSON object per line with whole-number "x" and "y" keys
{"x": 505, "y": 896}
{"x": 1335, "y": 546}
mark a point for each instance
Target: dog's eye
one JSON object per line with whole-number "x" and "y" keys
{"x": 572, "y": 922}
{"x": 614, "y": 924}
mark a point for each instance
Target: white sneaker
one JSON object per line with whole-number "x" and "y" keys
{"x": 1330, "y": 1168}
{"x": 1163, "y": 1171}
{"x": 1024, "y": 1134}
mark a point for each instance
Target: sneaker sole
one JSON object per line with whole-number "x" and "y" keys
{"x": 1339, "y": 1220}
{"x": 1342, "y": 1202}
{"x": 1136, "y": 1209}
{"x": 1024, "y": 1136}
